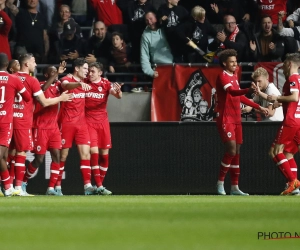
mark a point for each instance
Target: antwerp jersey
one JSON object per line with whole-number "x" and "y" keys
{"x": 73, "y": 112}
{"x": 291, "y": 110}
{"x": 23, "y": 111}
{"x": 271, "y": 8}
{"x": 96, "y": 100}
{"x": 46, "y": 118}
{"x": 10, "y": 85}
{"x": 228, "y": 107}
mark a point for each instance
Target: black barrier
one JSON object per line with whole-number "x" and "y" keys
{"x": 176, "y": 158}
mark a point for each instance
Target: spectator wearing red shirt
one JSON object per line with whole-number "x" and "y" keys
{"x": 4, "y": 30}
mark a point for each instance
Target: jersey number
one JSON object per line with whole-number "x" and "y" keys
{"x": 2, "y": 94}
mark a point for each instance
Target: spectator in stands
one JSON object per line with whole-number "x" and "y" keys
{"x": 268, "y": 45}
{"x": 32, "y": 31}
{"x": 294, "y": 19}
{"x": 120, "y": 59}
{"x": 50, "y": 6}
{"x": 195, "y": 31}
{"x": 12, "y": 7}
{"x": 11, "y": 10}
{"x": 71, "y": 46}
{"x": 261, "y": 78}
{"x": 78, "y": 10}
{"x": 271, "y": 8}
{"x": 218, "y": 9}
{"x": 154, "y": 46}
{"x": 231, "y": 38}
{"x": 136, "y": 22}
{"x": 5, "y": 26}
{"x": 287, "y": 32}
{"x": 99, "y": 45}
{"x": 157, "y": 3}
{"x": 107, "y": 11}
{"x": 170, "y": 15}
{"x": 13, "y": 66}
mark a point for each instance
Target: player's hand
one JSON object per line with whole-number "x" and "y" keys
{"x": 90, "y": 58}
{"x": 85, "y": 86}
{"x": 272, "y": 98}
{"x": 117, "y": 87}
{"x": 65, "y": 97}
{"x": 265, "y": 111}
{"x": 62, "y": 67}
{"x": 155, "y": 74}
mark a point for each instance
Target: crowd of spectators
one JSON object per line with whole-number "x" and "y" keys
{"x": 121, "y": 33}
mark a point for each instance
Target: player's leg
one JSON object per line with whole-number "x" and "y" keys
{"x": 63, "y": 157}
{"x": 227, "y": 135}
{"x": 4, "y": 174}
{"x": 54, "y": 171}
{"x": 95, "y": 166}
{"x": 103, "y": 164}
{"x": 85, "y": 168}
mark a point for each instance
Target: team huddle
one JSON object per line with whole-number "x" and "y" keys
{"x": 39, "y": 116}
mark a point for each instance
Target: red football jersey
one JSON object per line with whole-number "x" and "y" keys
{"x": 271, "y": 8}
{"x": 10, "y": 85}
{"x": 291, "y": 110}
{"x": 96, "y": 100}
{"x": 228, "y": 107}
{"x": 73, "y": 112}
{"x": 23, "y": 111}
{"x": 46, "y": 118}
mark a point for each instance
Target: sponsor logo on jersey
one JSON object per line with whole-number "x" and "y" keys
{"x": 94, "y": 95}
{"x": 292, "y": 84}
{"x": 3, "y": 112}
{"x": 3, "y": 78}
{"x": 17, "y": 114}
{"x": 79, "y": 95}
{"x": 267, "y": 7}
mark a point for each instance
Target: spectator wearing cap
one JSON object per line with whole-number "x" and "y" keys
{"x": 32, "y": 31}
{"x": 70, "y": 45}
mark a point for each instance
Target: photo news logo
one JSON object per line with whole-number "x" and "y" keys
{"x": 277, "y": 235}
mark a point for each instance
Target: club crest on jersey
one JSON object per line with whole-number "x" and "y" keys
{"x": 63, "y": 141}
{"x": 229, "y": 134}
{"x": 38, "y": 148}
{"x": 100, "y": 89}
{"x": 197, "y": 99}
{"x": 292, "y": 84}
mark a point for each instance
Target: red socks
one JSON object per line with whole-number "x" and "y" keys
{"x": 235, "y": 170}
{"x": 5, "y": 179}
{"x": 284, "y": 166}
{"x": 29, "y": 172}
{"x": 60, "y": 175}
{"x": 225, "y": 164}
{"x": 54, "y": 173}
{"x": 85, "y": 169}
{"x": 294, "y": 167}
{"x": 103, "y": 163}
{"x": 19, "y": 169}
{"x": 96, "y": 169}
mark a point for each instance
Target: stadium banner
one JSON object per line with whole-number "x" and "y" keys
{"x": 275, "y": 72}
{"x": 184, "y": 93}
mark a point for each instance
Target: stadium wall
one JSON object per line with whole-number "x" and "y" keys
{"x": 175, "y": 158}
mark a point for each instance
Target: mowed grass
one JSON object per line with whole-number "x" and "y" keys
{"x": 147, "y": 222}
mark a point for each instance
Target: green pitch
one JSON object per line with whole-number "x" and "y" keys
{"x": 147, "y": 222}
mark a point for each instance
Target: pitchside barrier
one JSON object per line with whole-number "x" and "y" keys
{"x": 155, "y": 158}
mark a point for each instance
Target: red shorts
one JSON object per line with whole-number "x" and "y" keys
{"x": 44, "y": 139}
{"x": 22, "y": 140}
{"x": 286, "y": 135}
{"x": 292, "y": 146}
{"x": 230, "y": 132}
{"x": 5, "y": 134}
{"x": 100, "y": 134}
{"x": 71, "y": 132}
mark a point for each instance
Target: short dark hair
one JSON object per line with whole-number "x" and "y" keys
{"x": 23, "y": 58}
{"x": 265, "y": 16}
{"x": 10, "y": 65}
{"x": 225, "y": 54}
{"x": 116, "y": 33}
{"x": 79, "y": 62}
{"x": 97, "y": 65}
{"x": 3, "y": 61}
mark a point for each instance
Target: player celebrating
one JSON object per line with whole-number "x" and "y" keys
{"x": 229, "y": 97}
{"x": 23, "y": 117}
{"x": 98, "y": 124}
{"x": 46, "y": 134}
{"x": 73, "y": 123}
{"x": 291, "y": 122}
{"x": 10, "y": 85}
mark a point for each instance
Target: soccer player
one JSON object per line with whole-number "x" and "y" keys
{"x": 73, "y": 123}
{"x": 291, "y": 122}
{"x": 23, "y": 117}
{"x": 98, "y": 124}
{"x": 229, "y": 98}
{"x": 10, "y": 86}
{"x": 46, "y": 134}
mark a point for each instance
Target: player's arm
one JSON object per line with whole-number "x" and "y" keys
{"x": 294, "y": 97}
{"x": 53, "y": 75}
{"x": 254, "y": 105}
{"x": 116, "y": 90}
{"x": 66, "y": 85}
{"x": 235, "y": 92}
{"x": 64, "y": 97}
{"x": 25, "y": 94}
